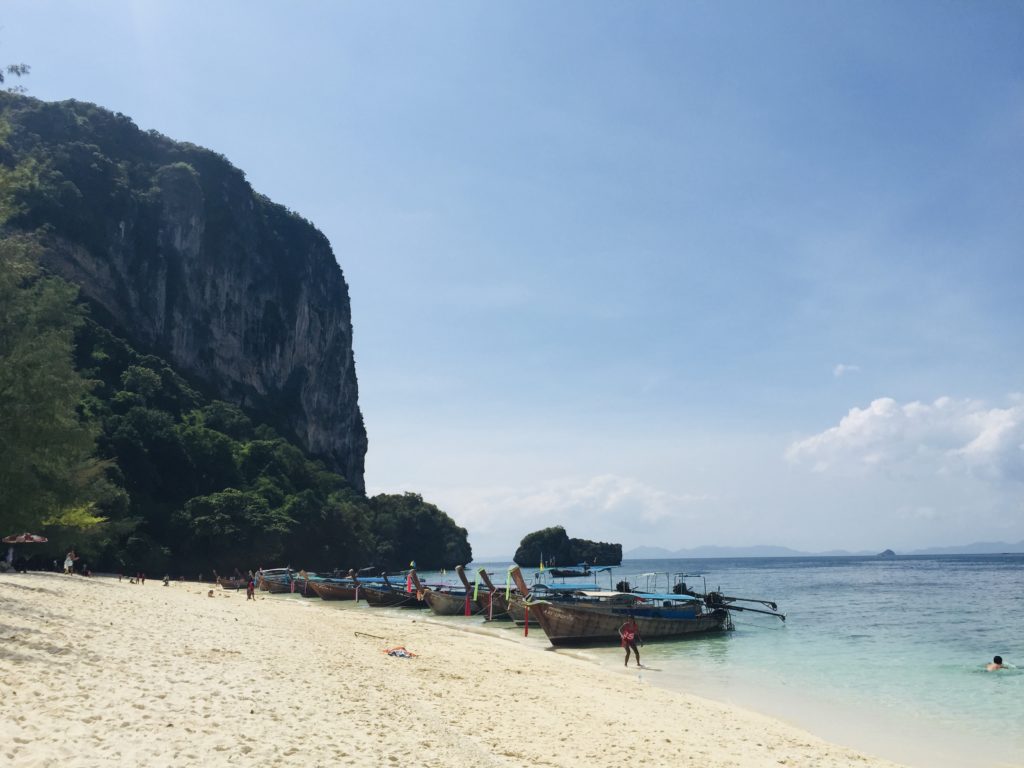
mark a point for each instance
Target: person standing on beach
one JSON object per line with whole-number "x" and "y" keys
{"x": 69, "y": 561}
{"x": 250, "y": 588}
{"x": 630, "y": 634}
{"x": 997, "y": 663}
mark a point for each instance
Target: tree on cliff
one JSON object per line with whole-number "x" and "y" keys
{"x": 13, "y": 70}
{"x": 47, "y": 464}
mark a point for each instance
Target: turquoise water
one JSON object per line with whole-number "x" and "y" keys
{"x": 885, "y": 655}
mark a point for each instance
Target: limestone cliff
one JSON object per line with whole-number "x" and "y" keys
{"x": 174, "y": 249}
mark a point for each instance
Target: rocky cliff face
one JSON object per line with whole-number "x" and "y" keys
{"x": 174, "y": 250}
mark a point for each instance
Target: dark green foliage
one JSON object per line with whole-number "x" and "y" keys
{"x": 46, "y": 444}
{"x": 556, "y": 548}
{"x": 408, "y": 528}
{"x": 205, "y": 488}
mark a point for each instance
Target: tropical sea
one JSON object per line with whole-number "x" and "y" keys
{"x": 886, "y": 655}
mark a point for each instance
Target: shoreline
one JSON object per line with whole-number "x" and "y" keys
{"x": 96, "y": 672}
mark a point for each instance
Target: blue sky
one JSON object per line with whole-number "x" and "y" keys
{"x": 665, "y": 273}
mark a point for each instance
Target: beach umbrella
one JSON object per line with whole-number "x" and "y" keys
{"x": 25, "y": 538}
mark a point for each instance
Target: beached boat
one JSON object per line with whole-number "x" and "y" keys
{"x": 567, "y": 623}
{"x": 517, "y": 608}
{"x": 226, "y": 583}
{"x": 449, "y": 599}
{"x": 595, "y": 617}
{"x": 303, "y": 584}
{"x": 384, "y": 594}
{"x": 495, "y": 604}
{"x": 275, "y": 580}
{"x": 335, "y": 589}
{"x": 452, "y": 600}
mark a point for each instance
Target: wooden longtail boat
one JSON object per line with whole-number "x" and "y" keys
{"x": 569, "y": 624}
{"x": 226, "y": 583}
{"x": 554, "y": 592}
{"x": 384, "y": 595}
{"x": 303, "y": 585}
{"x": 449, "y": 600}
{"x": 336, "y": 589}
{"x": 275, "y": 580}
{"x": 597, "y": 621}
{"x": 276, "y": 584}
{"x": 496, "y": 605}
{"x": 517, "y": 612}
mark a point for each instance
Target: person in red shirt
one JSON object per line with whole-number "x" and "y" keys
{"x": 630, "y": 634}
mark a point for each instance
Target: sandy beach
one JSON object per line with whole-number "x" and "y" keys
{"x": 100, "y": 673}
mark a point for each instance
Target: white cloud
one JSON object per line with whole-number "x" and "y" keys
{"x": 844, "y": 368}
{"x": 921, "y": 439}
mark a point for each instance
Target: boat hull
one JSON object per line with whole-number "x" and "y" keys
{"x": 449, "y": 603}
{"x": 494, "y": 606}
{"x": 274, "y": 586}
{"x": 332, "y": 591}
{"x": 391, "y": 598}
{"x": 517, "y": 612}
{"x": 571, "y": 625}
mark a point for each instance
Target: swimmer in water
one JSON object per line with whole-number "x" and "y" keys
{"x": 997, "y": 663}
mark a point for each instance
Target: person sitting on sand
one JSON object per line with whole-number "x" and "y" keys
{"x": 630, "y": 633}
{"x": 997, "y": 663}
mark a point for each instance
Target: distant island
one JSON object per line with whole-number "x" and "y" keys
{"x": 552, "y": 546}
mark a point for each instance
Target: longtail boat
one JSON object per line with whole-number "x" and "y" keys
{"x": 495, "y": 600}
{"x": 452, "y": 600}
{"x": 448, "y": 599}
{"x": 576, "y": 572}
{"x": 384, "y": 595}
{"x": 276, "y": 580}
{"x": 540, "y": 591}
{"x": 303, "y": 585}
{"x": 595, "y": 618}
{"x": 226, "y": 583}
{"x": 337, "y": 589}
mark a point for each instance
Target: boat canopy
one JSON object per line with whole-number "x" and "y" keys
{"x": 664, "y": 596}
{"x": 606, "y": 593}
{"x": 567, "y": 587}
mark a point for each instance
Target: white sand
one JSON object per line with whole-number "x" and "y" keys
{"x": 99, "y": 673}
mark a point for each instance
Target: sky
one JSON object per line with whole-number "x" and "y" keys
{"x": 665, "y": 273}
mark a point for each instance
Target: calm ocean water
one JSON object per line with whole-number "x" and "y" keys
{"x": 885, "y": 655}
